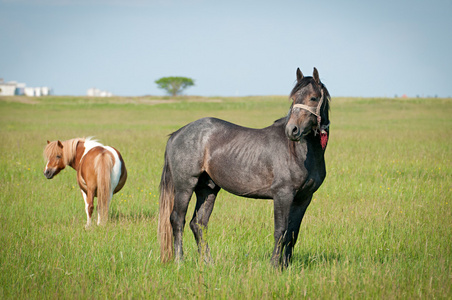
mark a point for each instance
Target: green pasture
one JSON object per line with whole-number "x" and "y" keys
{"x": 378, "y": 228}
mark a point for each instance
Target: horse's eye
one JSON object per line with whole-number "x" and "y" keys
{"x": 58, "y": 156}
{"x": 314, "y": 99}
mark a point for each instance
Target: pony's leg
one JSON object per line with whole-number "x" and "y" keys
{"x": 282, "y": 203}
{"x": 89, "y": 207}
{"x": 206, "y": 192}
{"x": 181, "y": 201}
{"x": 296, "y": 215}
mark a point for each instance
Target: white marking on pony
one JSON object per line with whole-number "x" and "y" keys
{"x": 88, "y": 219}
{"x": 90, "y": 144}
{"x": 116, "y": 171}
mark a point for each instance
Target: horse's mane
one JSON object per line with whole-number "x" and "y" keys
{"x": 69, "y": 149}
{"x": 326, "y": 94}
{"x": 280, "y": 121}
{"x": 304, "y": 82}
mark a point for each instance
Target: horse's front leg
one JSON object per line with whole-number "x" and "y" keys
{"x": 282, "y": 204}
{"x": 297, "y": 211}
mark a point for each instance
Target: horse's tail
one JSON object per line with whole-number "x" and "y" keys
{"x": 166, "y": 204}
{"x": 103, "y": 164}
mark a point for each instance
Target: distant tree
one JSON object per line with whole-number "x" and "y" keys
{"x": 174, "y": 85}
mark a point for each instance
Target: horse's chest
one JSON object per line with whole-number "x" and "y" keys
{"x": 309, "y": 186}
{"x": 309, "y": 178}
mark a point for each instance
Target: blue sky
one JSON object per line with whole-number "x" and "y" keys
{"x": 231, "y": 48}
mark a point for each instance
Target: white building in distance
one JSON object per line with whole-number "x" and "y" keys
{"x": 93, "y": 92}
{"x": 7, "y": 88}
{"x": 13, "y": 88}
{"x": 37, "y": 91}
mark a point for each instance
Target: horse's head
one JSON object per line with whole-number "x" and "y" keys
{"x": 309, "y": 110}
{"x": 53, "y": 153}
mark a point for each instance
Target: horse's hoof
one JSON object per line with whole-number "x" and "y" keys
{"x": 276, "y": 264}
{"x": 178, "y": 260}
{"x": 208, "y": 261}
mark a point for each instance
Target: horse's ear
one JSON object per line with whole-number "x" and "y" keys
{"x": 60, "y": 144}
{"x": 316, "y": 76}
{"x": 299, "y": 75}
{"x": 48, "y": 142}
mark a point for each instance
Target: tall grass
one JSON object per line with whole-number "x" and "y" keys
{"x": 379, "y": 227}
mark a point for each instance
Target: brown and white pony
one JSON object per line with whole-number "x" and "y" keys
{"x": 101, "y": 171}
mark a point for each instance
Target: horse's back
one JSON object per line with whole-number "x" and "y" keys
{"x": 186, "y": 147}
{"x": 206, "y": 134}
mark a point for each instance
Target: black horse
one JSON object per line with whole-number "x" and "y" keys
{"x": 284, "y": 162}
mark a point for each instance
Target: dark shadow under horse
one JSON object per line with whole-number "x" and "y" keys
{"x": 284, "y": 162}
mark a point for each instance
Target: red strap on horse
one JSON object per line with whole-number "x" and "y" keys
{"x": 323, "y": 138}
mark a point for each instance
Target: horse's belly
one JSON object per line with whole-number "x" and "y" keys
{"x": 244, "y": 185}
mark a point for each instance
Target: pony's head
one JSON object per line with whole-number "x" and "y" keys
{"x": 310, "y": 105}
{"x": 54, "y": 155}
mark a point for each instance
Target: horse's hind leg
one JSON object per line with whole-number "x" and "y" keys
{"x": 181, "y": 201}
{"x": 206, "y": 192}
{"x": 89, "y": 206}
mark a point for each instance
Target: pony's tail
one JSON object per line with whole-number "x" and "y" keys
{"x": 103, "y": 165}
{"x": 166, "y": 203}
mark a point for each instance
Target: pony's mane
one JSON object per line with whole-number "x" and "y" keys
{"x": 69, "y": 149}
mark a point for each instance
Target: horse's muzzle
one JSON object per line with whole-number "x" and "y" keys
{"x": 49, "y": 173}
{"x": 293, "y": 132}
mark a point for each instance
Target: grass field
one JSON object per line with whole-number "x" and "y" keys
{"x": 379, "y": 227}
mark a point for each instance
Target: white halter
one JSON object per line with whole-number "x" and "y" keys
{"x": 316, "y": 112}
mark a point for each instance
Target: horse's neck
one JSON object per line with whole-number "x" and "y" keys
{"x": 299, "y": 151}
{"x": 309, "y": 147}
{"x": 76, "y": 156}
